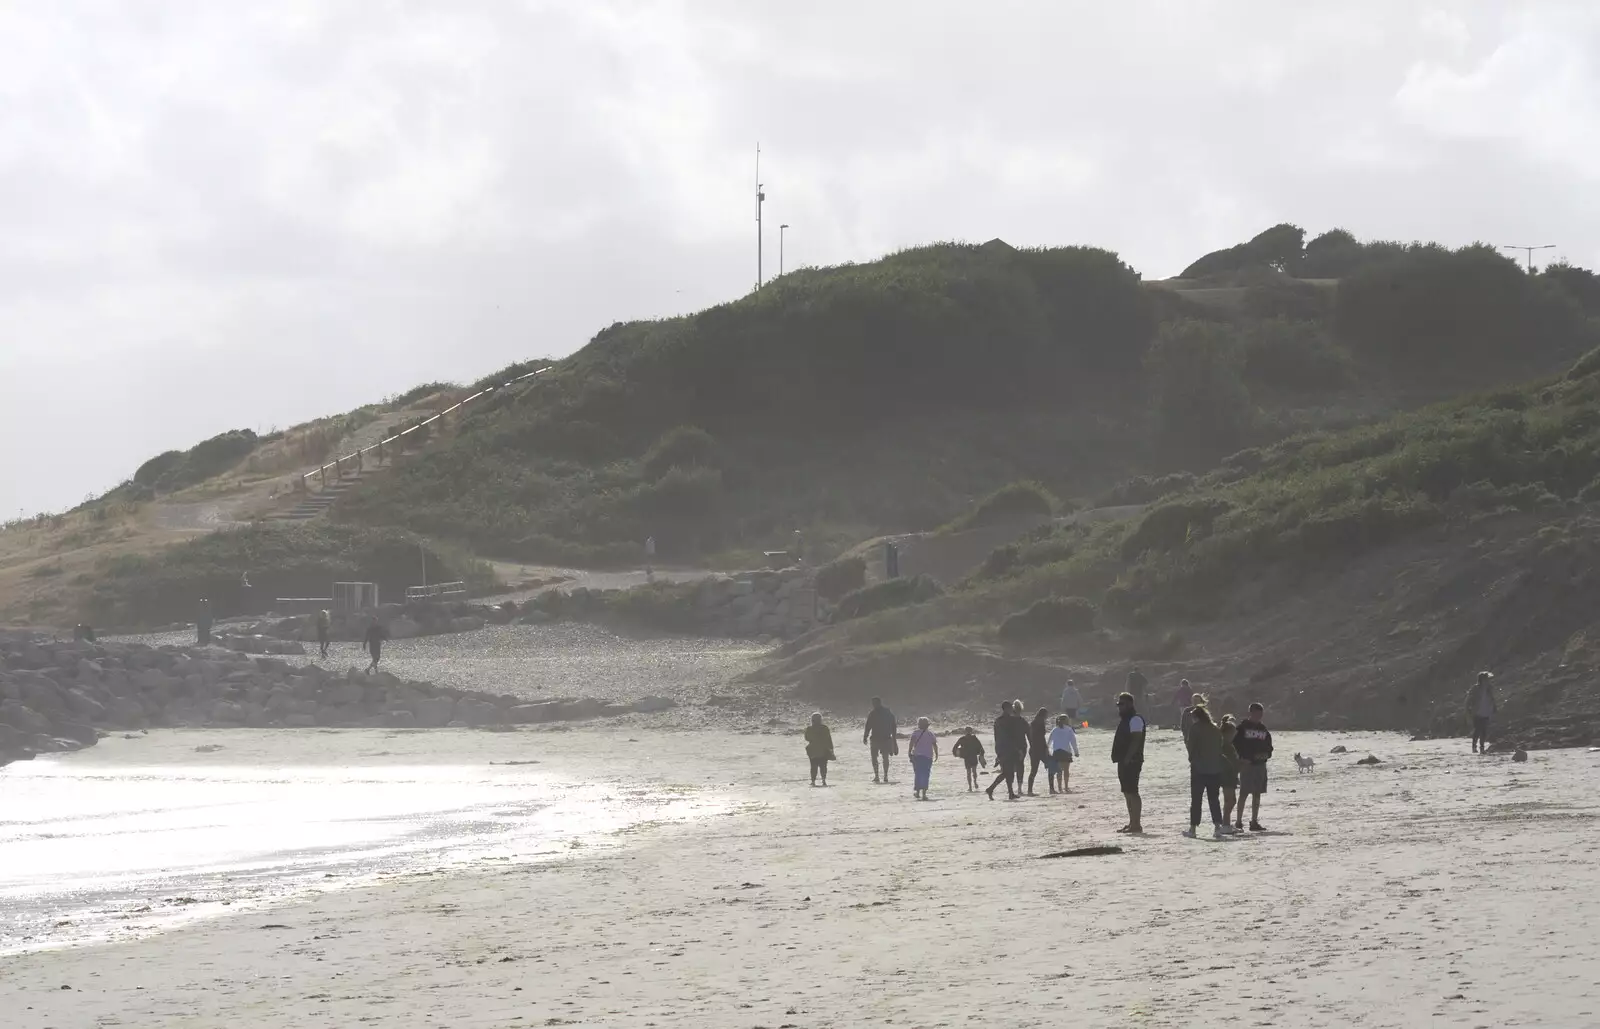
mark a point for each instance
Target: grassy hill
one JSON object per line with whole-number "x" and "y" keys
{"x": 1357, "y": 577}
{"x": 889, "y": 396}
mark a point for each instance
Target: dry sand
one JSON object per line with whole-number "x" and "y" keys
{"x": 1437, "y": 888}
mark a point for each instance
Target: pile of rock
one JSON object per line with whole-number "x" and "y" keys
{"x": 57, "y": 696}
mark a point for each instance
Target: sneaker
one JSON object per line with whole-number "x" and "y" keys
{"x": 1227, "y": 830}
{"x": 1216, "y": 832}
{"x": 1189, "y": 832}
{"x": 1257, "y": 827}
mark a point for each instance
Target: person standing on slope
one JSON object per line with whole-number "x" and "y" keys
{"x": 1481, "y": 706}
{"x": 1071, "y": 701}
{"x": 1182, "y": 699}
{"x": 1127, "y": 753}
{"x": 376, "y": 634}
{"x": 324, "y": 628}
{"x": 879, "y": 735}
{"x": 1137, "y": 684}
{"x": 1253, "y": 741}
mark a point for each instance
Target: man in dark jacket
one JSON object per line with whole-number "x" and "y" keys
{"x": 1253, "y": 742}
{"x": 377, "y": 632}
{"x": 879, "y": 735}
{"x": 1127, "y": 753}
{"x": 1010, "y": 750}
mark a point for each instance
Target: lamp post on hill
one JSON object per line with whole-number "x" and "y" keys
{"x": 1529, "y": 250}
{"x": 781, "y": 230}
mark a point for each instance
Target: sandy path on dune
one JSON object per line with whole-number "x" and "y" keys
{"x": 1436, "y": 888}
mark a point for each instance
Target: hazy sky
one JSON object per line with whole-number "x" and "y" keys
{"x": 218, "y": 215}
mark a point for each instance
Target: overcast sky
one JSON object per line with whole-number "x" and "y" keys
{"x": 219, "y": 215}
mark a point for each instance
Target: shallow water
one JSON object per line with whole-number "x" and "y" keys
{"x": 93, "y": 847}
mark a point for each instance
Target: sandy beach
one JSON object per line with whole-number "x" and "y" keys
{"x": 1437, "y": 888}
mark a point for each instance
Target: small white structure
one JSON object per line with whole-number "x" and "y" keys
{"x": 354, "y": 596}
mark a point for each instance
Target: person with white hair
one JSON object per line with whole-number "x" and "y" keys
{"x": 923, "y": 747}
{"x": 1071, "y": 701}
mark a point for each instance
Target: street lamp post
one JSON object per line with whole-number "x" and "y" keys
{"x": 781, "y": 230}
{"x": 1529, "y": 251}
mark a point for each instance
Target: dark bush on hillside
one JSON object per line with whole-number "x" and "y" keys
{"x": 1049, "y": 618}
{"x": 684, "y": 447}
{"x": 1284, "y": 297}
{"x": 416, "y": 393}
{"x": 1173, "y": 524}
{"x": 842, "y": 576}
{"x": 1437, "y": 314}
{"x": 1142, "y": 489}
{"x": 881, "y": 596}
{"x": 176, "y": 469}
{"x": 1020, "y": 501}
{"x": 1294, "y": 357}
{"x": 1203, "y": 406}
{"x": 1278, "y": 248}
{"x": 1581, "y": 284}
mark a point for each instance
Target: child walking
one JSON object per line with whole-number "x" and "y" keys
{"x": 970, "y": 750}
{"x": 1063, "y": 747}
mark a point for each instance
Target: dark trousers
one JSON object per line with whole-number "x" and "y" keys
{"x": 1201, "y": 782}
{"x": 1480, "y": 731}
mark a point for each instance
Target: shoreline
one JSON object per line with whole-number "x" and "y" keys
{"x": 853, "y": 904}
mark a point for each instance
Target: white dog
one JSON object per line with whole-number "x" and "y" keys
{"x": 1304, "y": 764}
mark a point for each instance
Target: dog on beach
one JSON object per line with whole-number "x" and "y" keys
{"x": 1303, "y": 763}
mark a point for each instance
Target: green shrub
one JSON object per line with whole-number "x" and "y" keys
{"x": 881, "y": 596}
{"x": 683, "y": 447}
{"x": 1049, "y": 618}
{"x": 841, "y": 576}
{"x": 1202, "y": 404}
{"x": 1173, "y": 524}
{"x": 1295, "y": 357}
{"x": 1016, "y": 502}
{"x": 1145, "y": 490}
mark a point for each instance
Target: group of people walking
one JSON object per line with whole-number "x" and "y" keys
{"x": 1227, "y": 758}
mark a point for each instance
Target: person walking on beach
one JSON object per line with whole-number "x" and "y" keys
{"x": 1204, "y": 742}
{"x": 202, "y": 624}
{"x": 1071, "y": 701}
{"x": 1039, "y": 749}
{"x": 1182, "y": 699}
{"x": 1230, "y": 773}
{"x": 1481, "y": 706}
{"x": 376, "y": 634}
{"x": 1253, "y": 742}
{"x": 1063, "y": 748}
{"x": 879, "y": 735}
{"x": 650, "y": 558}
{"x": 1137, "y": 684}
{"x": 324, "y": 627}
{"x": 923, "y": 748}
{"x": 1127, "y": 753}
{"x": 819, "y": 747}
{"x": 970, "y": 750}
{"x": 1010, "y": 750}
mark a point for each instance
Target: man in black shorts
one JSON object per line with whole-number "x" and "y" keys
{"x": 1253, "y": 742}
{"x": 879, "y": 735}
{"x": 1127, "y": 753}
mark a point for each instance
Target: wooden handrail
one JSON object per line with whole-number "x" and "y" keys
{"x": 339, "y": 461}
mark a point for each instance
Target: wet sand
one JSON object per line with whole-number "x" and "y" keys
{"x": 1437, "y": 888}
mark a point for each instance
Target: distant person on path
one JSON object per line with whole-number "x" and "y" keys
{"x": 923, "y": 747}
{"x": 970, "y": 750}
{"x": 1137, "y": 684}
{"x": 376, "y": 634}
{"x": 1204, "y": 742}
{"x": 1010, "y": 750}
{"x": 879, "y": 735}
{"x": 1063, "y": 749}
{"x": 1039, "y": 749}
{"x": 1230, "y": 774}
{"x": 1481, "y": 706}
{"x": 819, "y": 747}
{"x": 83, "y": 632}
{"x": 1182, "y": 699}
{"x": 650, "y": 558}
{"x": 324, "y": 627}
{"x": 1071, "y": 701}
{"x": 1253, "y": 741}
{"x": 202, "y": 624}
{"x": 1127, "y": 753}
